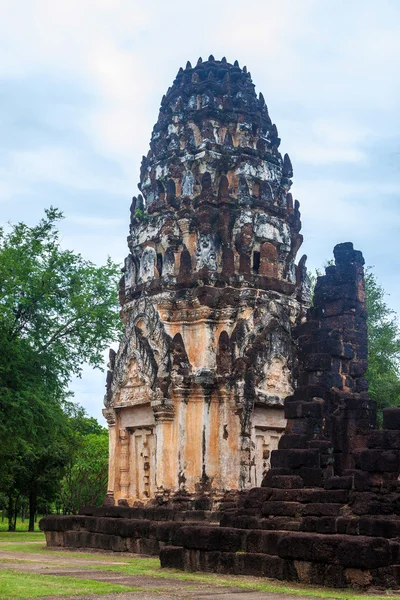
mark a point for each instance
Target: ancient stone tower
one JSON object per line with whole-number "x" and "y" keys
{"x": 209, "y": 296}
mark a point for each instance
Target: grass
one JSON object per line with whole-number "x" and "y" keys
{"x": 15, "y": 585}
{"x": 150, "y": 567}
{"x": 22, "y": 536}
{"x": 20, "y": 526}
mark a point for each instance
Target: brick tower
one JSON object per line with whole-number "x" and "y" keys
{"x": 209, "y": 296}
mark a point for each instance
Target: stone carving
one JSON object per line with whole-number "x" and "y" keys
{"x": 205, "y": 253}
{"x": 148, "y": 264}
{"x": 210, "y": 293}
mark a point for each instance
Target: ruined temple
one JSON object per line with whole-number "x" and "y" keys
{"x": 242, "y": 436}
{"x": 209, "y": 296}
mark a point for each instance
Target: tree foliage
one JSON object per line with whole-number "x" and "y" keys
{"x": 85, "y": 479}
{"x": 58, "y": 311}
{"x": 383, "y": 346}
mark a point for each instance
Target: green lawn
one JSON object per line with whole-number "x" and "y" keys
{"x": 21, "y": 526}
{"x": 22, "y": 536}
{"x": 29, "y": 585}
{"x": 120, "y": 563}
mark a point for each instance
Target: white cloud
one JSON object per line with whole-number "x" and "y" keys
{"x": 56, "y": 164}
{"x": 328, "y": 71}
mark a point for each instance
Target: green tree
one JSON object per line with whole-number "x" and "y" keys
{"x": 85, "y": 479}
{"x": 58, "y": 311}
{"x": 383, "y": 346}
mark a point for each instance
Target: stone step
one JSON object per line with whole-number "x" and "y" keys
{"x": 276, "y": 567}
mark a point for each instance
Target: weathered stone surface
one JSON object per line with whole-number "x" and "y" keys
{"x": 199, "y": 390}
{"x": 210, "y": 293}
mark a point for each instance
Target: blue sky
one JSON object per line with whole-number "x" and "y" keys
{"x": 81, "y": 83}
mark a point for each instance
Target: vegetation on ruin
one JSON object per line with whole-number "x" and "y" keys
{"x": 58, "y": 311}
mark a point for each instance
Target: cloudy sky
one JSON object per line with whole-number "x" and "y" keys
{"x": 81, "y": 83}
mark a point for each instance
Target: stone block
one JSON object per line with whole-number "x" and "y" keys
{"x": 379, "y": 527}
{"x": 264, "y": 542}
{"x": 391, "y": 418}
{"x": 318, "y": 362}
{"x": 163, "y": 531}
{"x": 172, "y": 557}
{"x": 365, "y": 503}
{"x": 294, "y": 459}
{"x": 287, "y": 482}
{"x": 148, "y": 546}
{"x": 159, "y": 514}
{"x": 54, "y": 538}
{"x": 219, "y": 562}
{"x": 319, "y": 524}
{"x": 261, "y": 565}
{"x": 338, "y": 483}
{"x": 301, "y": 409}
{"x": 371, "y": 460}
{"x": 289, "y": 441}
{"x": 349, "y": 551}
{"x": 223, "y": 539}
{"x": 62, "y": 523}
{"x": 386, "y": 439}
{"x": 287, "y": 509}
{"x": 255, "y": 497}
{"x": 311, "y": 477}
{"x": 319, "y": 509}
{"x": 363, "y": 552}
{"x": 349, "y": 525}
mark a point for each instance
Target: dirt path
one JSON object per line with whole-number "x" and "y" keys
{"x": 157, "y": 588}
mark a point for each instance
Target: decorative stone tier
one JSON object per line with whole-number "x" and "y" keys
{"x": 210, "y": 295}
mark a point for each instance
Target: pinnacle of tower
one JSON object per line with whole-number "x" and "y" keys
{"x": 215, "y": 188}
{"x": 212, "y": 107}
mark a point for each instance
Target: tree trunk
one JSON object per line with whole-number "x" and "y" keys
{"x": 32, "y": 510}
{"x": 16, "y": 509}
{"x": 10, "y": 513}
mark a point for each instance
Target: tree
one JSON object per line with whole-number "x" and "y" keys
{"x": 85, "y": 479}
{"x": 383, "y": 346}
{"x": 57, "y": 312}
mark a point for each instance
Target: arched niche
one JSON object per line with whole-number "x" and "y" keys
{"x": 277, "y": 381}
{"x": 169, "y": 262}
{"x": 224, "y": 354}
{"x": 148, "y": 262}
{"x": 187, "y": 184}
{"x": 206, "y": 252}
{"x": 130, "y": 273}
{"x": 206, "y": 182}
{"x": 185, "y": 267}
{"x": 269, "y": 260}
{"x": 160, "y": 190}
{"x": 171, "y": 189}
{"x": 159, "y": 263}
{"x": 180, "y": 360}
{"x": 257, "y": 189}
{"x": 223, "y": 190}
